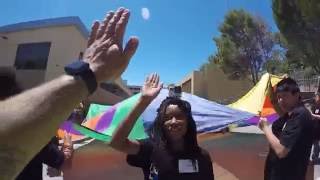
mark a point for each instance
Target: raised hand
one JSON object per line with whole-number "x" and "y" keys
{"x": 263, "y": 123}
{"x": 151, "y": 87}
{"x": 67, "y": 147}
{"x": 105, "y": 53}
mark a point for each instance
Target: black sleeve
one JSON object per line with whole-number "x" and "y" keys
{"x": 277, "y": 126}
{"x": 142, "y": 158}
{"x": 208, "y": 168}
{"x": 293, "y": 129}
{"x": 52, "y": 155}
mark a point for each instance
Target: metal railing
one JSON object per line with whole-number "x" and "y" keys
{"x": 309, "y": 84}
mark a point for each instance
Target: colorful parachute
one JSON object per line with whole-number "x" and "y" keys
{"x": 258, "y": 100}
{"x": 209, "y": 116}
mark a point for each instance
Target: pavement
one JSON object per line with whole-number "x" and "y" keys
{"x": 235, "y": 156}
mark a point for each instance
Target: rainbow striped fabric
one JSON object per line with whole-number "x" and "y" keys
{"x": 209, "y": 116}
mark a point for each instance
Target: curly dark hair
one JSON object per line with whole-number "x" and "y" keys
{"x": 157, "y": 131}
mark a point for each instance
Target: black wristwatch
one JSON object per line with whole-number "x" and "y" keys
{"x": 82, "y": 69}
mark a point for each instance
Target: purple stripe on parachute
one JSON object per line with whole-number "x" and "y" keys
{"x": 102, "y": 124}
{"x": 254, "y": 120}
{"x": 105, "y": 119}
{"x": 68, "y": 126}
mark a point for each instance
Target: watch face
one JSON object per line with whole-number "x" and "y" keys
{"x": 77, "y": 67}
{"x": 81, "y": 69}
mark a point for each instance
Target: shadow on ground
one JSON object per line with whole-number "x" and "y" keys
{"x": 238, "y": 156}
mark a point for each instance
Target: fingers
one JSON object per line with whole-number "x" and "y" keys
{"x": 156, "y": 82}
{"x": 93, "y": 34}
{"x": 263, "y": 119}
{"x": 153, "y": 78}
{"x": 110, "y": 30}
{"x": 108, "y": 26}
{"x": 147, "y": 79}
{"x": 104, "y": 25}
{"x": 130, "y": 48}
{"x": 263, "y": 122}
{"x": 121, "y": 27}
{"x": 69, "y": 136}
{"x": 70, "y": 140}
{"x": 64, "y": 135}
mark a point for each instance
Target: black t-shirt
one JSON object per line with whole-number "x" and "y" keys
{"x": 316, "y": 110}
{"x": 295, "y": 133}
{"x": 159, "y": 164}
{"x": 50, "y": 155}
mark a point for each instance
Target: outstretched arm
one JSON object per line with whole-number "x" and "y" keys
{"x": 120, "y": 141}
{"x": 30, "y": 119}
{"x": 280, "y": 150}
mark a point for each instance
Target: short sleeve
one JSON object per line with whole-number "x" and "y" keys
{"x": 292, "y": 130}
{"x": 142, "y": 158}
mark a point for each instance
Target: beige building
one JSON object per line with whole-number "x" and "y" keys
{"x": 40, "y": 49}
{"x": 214, "y": 85}
{"x": 135, "y": 89}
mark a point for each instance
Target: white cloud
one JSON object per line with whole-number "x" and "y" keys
{"x": 145, "y": 13}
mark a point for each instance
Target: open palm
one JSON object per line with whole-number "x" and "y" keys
{"x": 151, "y": 87}
{"x": 105, "y": 52}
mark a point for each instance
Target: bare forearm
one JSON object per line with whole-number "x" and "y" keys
{"x": 43, "y": 107}
{"x": 119, "y": 138}
{"x": 316, "y": 116}
{"x": 275, "y": 143}
{"x": 30, "y": 119}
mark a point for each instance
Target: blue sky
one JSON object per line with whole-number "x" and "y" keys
{"x": 175, "y": 38}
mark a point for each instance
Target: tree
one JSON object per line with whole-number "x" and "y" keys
{"x": 298, "y": 22}
{"x": 245, "y": 44}
{"x": 277, "y": 64}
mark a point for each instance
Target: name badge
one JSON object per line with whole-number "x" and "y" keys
{"x": 188, "y": 166}
{"x": 317, "y": 111}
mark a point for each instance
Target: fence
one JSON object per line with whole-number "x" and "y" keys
{"x": 309, "y": 84}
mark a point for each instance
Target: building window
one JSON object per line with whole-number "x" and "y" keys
{"x": 32, "y": 55}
